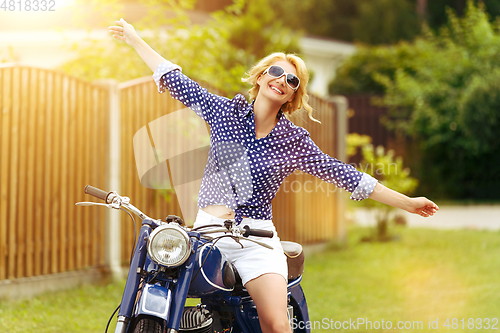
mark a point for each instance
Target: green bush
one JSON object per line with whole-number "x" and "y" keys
{"x": 441, "y": 90}
{"x": 360, "y": 73}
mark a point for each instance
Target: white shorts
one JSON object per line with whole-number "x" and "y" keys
{"x": 253, "y": 260}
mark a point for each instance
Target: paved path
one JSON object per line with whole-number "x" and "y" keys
{"x": 479, "y": 217}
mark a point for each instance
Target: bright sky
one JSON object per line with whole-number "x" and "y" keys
{"x": 14, "y": 19}
{"x": 42, "y": 38}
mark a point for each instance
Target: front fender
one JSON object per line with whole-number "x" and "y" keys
{"x": 154, "y": 301}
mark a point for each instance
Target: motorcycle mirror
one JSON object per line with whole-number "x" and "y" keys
{"x": 175, "y": 218}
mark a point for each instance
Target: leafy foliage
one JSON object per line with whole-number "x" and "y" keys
{"x": 436, "y": 10}
{"x": 479, "y": 105}
{"x": 385, "y": 21}
{"x": 219, "y": 51}
{"x": 371, "y": 22}
{"x": 362, "y": 71}
{"x": 367, "y": 21}
{"x": 440, "y": 102}
{"x": 442, "y": 89}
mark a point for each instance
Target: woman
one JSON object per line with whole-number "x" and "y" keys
{"x": 253, "y": 148}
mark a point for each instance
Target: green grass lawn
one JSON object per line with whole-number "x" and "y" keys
{"x": 426, "y": 275}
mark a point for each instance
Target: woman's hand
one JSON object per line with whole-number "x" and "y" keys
{"x": 422, "y": 206}
{"x": 124, "y": 32}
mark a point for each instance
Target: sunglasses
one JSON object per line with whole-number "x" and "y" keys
{"x": 277, "y": 71}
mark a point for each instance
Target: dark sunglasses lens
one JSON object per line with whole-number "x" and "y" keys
{"x": 276, "y": 71}
{"x": 292, "y": 80}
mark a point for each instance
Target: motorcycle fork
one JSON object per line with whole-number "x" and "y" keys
{"x": 133, "y": 279}
{"x": 181, "y": 289}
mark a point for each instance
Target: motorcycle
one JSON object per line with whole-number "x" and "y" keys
{"x": 172, "y": 262}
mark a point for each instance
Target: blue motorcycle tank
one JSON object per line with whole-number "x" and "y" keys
{"x": 210, "y": 267}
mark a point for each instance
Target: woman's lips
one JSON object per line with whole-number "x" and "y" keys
{"x": 276, "y": 89}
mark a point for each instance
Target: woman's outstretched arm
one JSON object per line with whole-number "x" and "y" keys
{"x": 126, "y": 32}
{"x": 168, "y": 76}
{"x": 421, "y": 206}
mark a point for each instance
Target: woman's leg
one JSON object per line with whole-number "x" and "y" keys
{"x": 269, "y": 294}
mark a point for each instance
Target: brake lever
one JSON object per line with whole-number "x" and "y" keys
{"x": 237, "y": 240}
{"x": 213, "y": 231}
{"x": 89, "y": 203}
{"x": 253, "y": 240}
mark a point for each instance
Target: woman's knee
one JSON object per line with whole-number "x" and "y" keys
{"x": 275, "y": 325}
{"x": 270, "y": 296}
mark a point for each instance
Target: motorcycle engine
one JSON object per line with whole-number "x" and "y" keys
{"x": 196, "y": 320}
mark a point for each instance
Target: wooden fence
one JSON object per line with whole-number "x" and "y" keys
{"x": 55, "y": 139}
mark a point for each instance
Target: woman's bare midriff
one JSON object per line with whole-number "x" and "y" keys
{"x": 220, "y": 211}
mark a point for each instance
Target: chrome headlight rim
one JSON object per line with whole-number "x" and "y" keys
{"x": 181, "y": 232}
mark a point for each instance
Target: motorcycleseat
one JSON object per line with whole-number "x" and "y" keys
{"x": 294, "y": 258}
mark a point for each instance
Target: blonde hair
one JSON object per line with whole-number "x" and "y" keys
{"x": 301, "y": 97}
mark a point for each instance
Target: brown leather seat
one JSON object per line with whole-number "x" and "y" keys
{"x": 294, "y": 259}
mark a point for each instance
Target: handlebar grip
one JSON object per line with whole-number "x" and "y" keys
{"x": 94, "y": 191}
{"x": 257, "y": 232}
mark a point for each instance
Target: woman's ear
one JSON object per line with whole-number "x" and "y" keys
{"x": 259, "y": 78}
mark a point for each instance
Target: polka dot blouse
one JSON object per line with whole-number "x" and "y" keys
{"x": 245, "y": 173}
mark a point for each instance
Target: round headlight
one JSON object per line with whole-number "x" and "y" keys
{"x": 169, "y": 245}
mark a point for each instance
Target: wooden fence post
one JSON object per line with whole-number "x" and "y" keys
{"x": 341, "y": 105}
{"x": 113, "y": 217}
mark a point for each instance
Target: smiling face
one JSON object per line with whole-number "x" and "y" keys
{"x": 277, "y": 89}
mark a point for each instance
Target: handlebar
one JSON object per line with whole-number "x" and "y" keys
{"x": 98, "y": 193}
{"x": 257, "y": 232}
{"x": 238, "y": 232}
{"x": 113, "y": 200}
{"x": 243, "y": 231}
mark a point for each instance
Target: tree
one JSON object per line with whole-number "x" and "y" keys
{"x": 359, "y": 74}
{"x": 371, "y": 22}
{"x": 436, "y": 15}
{"x": 385, "y": 22}
{"x": 366, "y": 21}
{"x": 218, "y": 52}
{"x": 443, "y": 92}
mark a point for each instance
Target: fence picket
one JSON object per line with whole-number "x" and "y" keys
{"x": 87, "y": 213}
{"x": 72, "y": 164}
{"x": 21, "y": 232}
{"x": 80, "y": 176}
{"x": 30, "y": 171}
{"x": 54, "y": 195}
{"x": 41, "y": 132}
{"x": 64, "y": 171}
{"x": 6, "y": 79}
{"x": 14, "y": 179}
